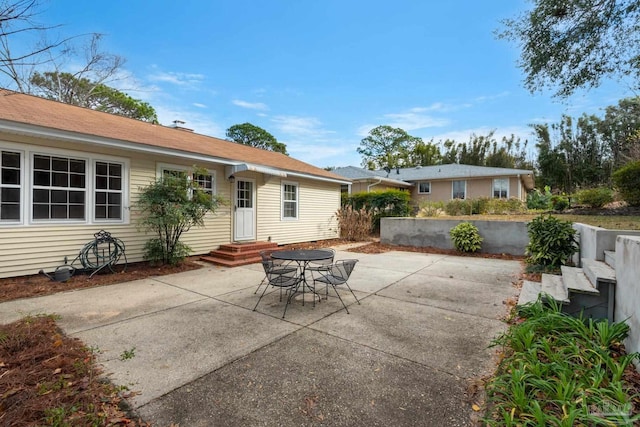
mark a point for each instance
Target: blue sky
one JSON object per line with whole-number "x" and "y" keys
{"x": 319, "y": 75}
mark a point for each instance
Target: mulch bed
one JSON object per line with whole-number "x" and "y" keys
{"x": 47, "y": 378}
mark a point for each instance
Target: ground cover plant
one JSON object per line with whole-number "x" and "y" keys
{"x": 559, "y": 370}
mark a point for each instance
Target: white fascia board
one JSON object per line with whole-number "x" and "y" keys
{"x": 317, "y": 178}
{"x": 37, "y": 131}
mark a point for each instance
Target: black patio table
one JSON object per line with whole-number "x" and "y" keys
{"x": 303, "y": 257}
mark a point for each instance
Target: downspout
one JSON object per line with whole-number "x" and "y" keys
{"x": 519, "y": 188}
{"x": 373, "y": 185}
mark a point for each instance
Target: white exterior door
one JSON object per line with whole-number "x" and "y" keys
{"x": 244, "y": 208}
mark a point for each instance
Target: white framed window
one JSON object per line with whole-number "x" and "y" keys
{"x": 289, "y": 200}
{"x": 207, "y": 182}
{"x": 108, "y": 191}
{"x": 424, "y": 187}
{"x": 59, "y": 188}
{"x": 459, "y": 190}
{"x": 501, "y": 188}
{"x": 44, "y": 186}
{"x": 11, "y": 168}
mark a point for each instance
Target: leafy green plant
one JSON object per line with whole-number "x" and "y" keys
{"x": 595, "y": 197}
{"x": 170, "y": 207}
{"x": 552, "y": 241}
{"x": 466, "y": 238}
{"x": 128, "y": 354}
{"x": 627, "y": 181}
{"x": 430, "y": 208}
{"x": 559, "y": 203}
{"x": 390, "y": 203}
{"x": 560, "y": 370}
{"x": 539, "y": 200}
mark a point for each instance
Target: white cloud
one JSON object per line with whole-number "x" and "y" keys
{"x": 200, "y": 123}
{"x": 411, "y": 119}
{"x": 308, "y": 127}
{"x": 492, "y": 97}
{"x": 199, "y": 105}
{"x": 176, "y": 78}
{"x": 250, "y": 105}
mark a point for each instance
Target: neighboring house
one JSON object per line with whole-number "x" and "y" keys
{"x": 445, "y": 182}
{"x": 364, "y": 180}
{"x": 68, "y": 172}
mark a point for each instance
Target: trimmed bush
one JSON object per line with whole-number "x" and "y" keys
{"x": 559, "y": 203}
{"x": 627, "y": 181}
{"x": 595, "y": 197}
{"x": 466, "y": 238}
{"x": 390, "y": 203}
{"x": 552, "y": 241}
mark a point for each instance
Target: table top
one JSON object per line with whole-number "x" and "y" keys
{"x": 303, "y": 255}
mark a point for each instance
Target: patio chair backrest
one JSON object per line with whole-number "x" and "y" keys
{"x": 324, "y": 262}
{"x": 279, "y": 276}
{"x": 342, "y": 269}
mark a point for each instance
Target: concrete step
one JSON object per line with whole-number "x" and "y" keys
{"x": 610, "y": 258}
{"x": 575, "y": 281}
{"x": 554, "y": 286}
{"x": 598, "y": 272}
{"x": 529, "y": 292}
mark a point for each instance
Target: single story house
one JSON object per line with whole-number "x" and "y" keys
{"x": 443, "y": 182}
{"x": 68, "y": 172}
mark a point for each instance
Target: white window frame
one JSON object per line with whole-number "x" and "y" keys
{"x": 26, "y": 186}
{"x": 20, "y": 187}
{"x": 465, "y": 189}
{"x": 493, "y": 188}
{"x": 283, "y": 200}
{"x": 161, "y": 167}
{"x": 108, "y": 191}
{"x": 420, "y": 187}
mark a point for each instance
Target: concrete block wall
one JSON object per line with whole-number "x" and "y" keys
{"x": 627, "y": 304}
{"x": 500, "y": 237}
{"x": 595, "y": 240}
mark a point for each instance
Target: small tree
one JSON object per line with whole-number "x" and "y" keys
{"x": 169, "y": 207}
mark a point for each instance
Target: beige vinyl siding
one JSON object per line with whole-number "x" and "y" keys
{"x": 27, "y": 248}
{"x": 317, "y": 205}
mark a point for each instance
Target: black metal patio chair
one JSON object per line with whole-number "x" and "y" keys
{"x": 276, "y": 265}
{"x": 336, "y": 274}
{"x": 283, "y": 279}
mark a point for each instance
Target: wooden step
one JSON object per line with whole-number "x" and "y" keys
{"x": 575, "y": 281}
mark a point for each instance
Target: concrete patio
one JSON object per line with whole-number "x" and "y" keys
{"x": 202, "y": 357}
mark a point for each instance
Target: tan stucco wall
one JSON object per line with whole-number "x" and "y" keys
{"x": 27, "y": 248}
{"x": 475, "y": 188}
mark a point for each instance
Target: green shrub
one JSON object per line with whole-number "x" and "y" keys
{"x": 458, "y": 207}
{"x": 430, "y": 208}
{"x": 627, "y": 181}
{"x": 168, "y": 208}
{"x": 536, "y": 199}
{"x": 559, "y": 203}
{"x": 465, "y": 237}
{"x": 551, "y": 241}
{"x": 390, "y": 203}
{"x": 505, "y": 206}
{"x": 595, "y": 197}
